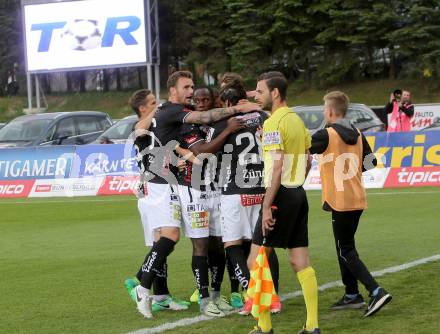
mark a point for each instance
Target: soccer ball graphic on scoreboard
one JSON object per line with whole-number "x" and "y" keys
{"x": 81, "y": 35}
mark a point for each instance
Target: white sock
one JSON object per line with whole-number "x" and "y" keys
{"x": 215, "y": 294}
{"x": 204, "y": 302}
{"x": 143, "y": 291}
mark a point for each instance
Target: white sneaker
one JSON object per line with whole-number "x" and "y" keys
{"x": 222, "y": 304}
{"x": 211, "y": 310}
{"x": 143, "y": 302}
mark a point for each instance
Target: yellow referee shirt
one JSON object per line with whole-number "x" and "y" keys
{"x": 284, "y": 130}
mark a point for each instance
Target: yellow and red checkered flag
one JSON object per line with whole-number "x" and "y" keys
{"x": 261, "y": 288}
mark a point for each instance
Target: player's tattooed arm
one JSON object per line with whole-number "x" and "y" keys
{"x": 210, "y": 116}
{"x": 217, "y": 114}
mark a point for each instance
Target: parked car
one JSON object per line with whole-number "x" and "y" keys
{"x": 362, "y": 117}
{"x": 118, "y": 133}
{"x": 59, "y": 128}
{"x": 2, "y": 125}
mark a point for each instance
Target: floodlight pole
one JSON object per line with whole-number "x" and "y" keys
{"x": 37, "y": 93}
{"x": 29, "y": 91}
{"x": 156, "y": 48}
{"x": 153, "y": 46}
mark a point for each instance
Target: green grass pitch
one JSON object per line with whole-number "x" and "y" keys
{"x": 63, "y": 262}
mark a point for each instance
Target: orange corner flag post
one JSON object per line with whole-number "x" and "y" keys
{"x": 261, "y": 288}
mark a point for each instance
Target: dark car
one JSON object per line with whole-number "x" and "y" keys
{"x": 362, "y": 117}
{"x": 59, "y": 128}
{"x": 118, "y": 133}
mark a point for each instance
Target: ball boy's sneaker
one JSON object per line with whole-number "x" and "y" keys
{"x": 349, "y": 303}
{"x": 377, "y": 302}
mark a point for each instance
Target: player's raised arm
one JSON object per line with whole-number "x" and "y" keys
{"x": 145, "y": 123}
{"x": 143, "y": 103}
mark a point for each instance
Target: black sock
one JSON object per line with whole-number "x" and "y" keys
{"x": 139, "y": 273}
{"x": 274, "y": 268}
{"x": 246, "y": 247}
{"x": 155, "y": 260}
{"x": 238, "y": 261}
{"x": 200, "y": 270}
{"x": 160, "y": 282}
{"x": 235, "y": 284}
{"x": 217, "y": 265}
{"x": 216, "y": 262}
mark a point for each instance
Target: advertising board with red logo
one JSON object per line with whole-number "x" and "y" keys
{"x": 425, "y": 115}
{"x": 413, "y": 177}
{"x": 72, "y": 187}
{"x": 15, "y": 189}
{"x": 119, "y": 185}
{"x": 409, "y": 159}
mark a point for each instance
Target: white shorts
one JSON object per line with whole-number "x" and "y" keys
{"x": 239, "y": 215}
{"x": 161, "y": 207}
{"x": 148, "y": 232}
{"x": 195, "y": 212}
{"x": 215, "y": 228}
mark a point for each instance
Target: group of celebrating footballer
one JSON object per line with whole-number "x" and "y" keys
{"x": 230, "y": 173}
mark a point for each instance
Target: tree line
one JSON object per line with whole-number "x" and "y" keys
{"x": 320, "y": 42}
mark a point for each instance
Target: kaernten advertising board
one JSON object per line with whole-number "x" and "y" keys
{"x": 84, "y": 34}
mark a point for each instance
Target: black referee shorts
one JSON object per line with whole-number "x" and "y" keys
{"x": 290, "y": 230}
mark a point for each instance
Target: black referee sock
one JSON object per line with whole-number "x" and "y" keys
{"x": 235, "y": 284}
{"x": 200, "y": 269}
{"x": 160, "y": 282}
{"x": 237, "y": 259}
{"x": 155, "y": 260}
{"x": 274, "y": 268}
{"x": 217, "y": 263}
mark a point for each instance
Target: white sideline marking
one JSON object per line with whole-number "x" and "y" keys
{"x": 190, "y": 321}
{"x": 315, "y": 193}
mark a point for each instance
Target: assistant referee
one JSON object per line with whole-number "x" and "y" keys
{"x": 286, "y": 142}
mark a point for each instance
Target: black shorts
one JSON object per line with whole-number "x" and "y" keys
{"x": 290, "y": 230}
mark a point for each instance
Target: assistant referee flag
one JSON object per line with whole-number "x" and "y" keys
{"x": 261, "y": 288}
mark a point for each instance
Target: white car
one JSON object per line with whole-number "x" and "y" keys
{"x": 119, "y": 132}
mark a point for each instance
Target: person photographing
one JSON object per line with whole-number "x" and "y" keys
{"x": 401, "y": 110}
